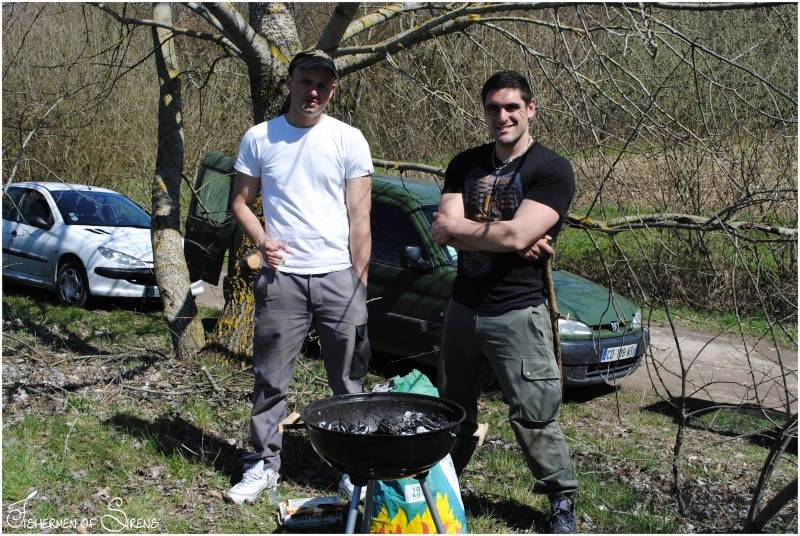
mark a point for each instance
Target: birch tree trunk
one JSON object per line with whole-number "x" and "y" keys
{"x": 172, "y": 274}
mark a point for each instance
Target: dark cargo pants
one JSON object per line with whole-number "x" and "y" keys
{"x": 518, "y": 348}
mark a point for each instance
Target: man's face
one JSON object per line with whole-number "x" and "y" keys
{"x": 507, "y": 115}
{"x": 310, "y": 90}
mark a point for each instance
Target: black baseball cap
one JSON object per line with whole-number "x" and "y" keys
{"x": 313, "y": 58}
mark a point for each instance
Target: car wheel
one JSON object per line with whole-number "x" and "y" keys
{"x": 72, "y": 285}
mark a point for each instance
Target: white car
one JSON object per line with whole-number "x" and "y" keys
{"x": 81, "y": 241}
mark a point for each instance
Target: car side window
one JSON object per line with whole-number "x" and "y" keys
{"x": 212, "y": 199}
{"x": 392, "y": 232}
{"x": 33, "y": 204}
{"x": 11, "y": 199}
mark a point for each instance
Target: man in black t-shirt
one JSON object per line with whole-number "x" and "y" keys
{"x": 502, "y": 204}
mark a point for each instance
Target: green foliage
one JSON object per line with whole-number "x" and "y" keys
{"x": 784, "y": 333}
{"x": 619, "y": 509}
{"x": 738, "y": 421}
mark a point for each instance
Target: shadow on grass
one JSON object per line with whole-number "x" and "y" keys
{"x": 517, "y": 516}
{"x": 99, "y": 303}
{"x": 174, "y": 435}
{"x": 586, "y": 393}
{"x": 54, "y": 325}
{"x": 760, "y": 425}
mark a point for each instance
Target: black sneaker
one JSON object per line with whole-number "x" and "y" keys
{"x": 562, "y": 520}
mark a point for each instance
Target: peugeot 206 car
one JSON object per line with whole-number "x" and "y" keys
{"x": 80, "y": 241}
{"x": 410, "y": 277}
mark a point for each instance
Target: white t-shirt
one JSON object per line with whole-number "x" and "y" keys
{"x": 303, "y": 173}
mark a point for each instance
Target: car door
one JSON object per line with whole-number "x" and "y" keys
{"x": 210, "y": 224}
{"x": 11, "y": 261}
{"x": 407, "y": 287}
{"x": 28, "y": 245}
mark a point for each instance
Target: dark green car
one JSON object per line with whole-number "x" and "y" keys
{"x": 410, "y": 276}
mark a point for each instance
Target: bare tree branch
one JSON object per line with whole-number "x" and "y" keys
{"x": 29, "y": 137}
{"x": 342, "y": 16}
{"x": 680, "y": 221}
{"x": 205, "y": 36}
{"x": 408, "y": 166}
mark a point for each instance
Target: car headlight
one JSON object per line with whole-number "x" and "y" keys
{"x": 119, "y": 258}
{"x": 636, "y": 322}
{"x": 573, "y": 327}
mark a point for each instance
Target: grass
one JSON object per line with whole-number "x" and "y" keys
{"x": 159, "y": 440}
{"x": 734, "y": 420}
{"x": 785, "y": 334}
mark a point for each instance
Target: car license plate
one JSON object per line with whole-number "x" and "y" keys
{"x": 616, "y": 353}
{"x": 151, "y": 292}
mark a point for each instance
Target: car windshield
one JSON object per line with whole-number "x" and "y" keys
{"x": 105, "y": 209}
{"x": 450, "y": 252}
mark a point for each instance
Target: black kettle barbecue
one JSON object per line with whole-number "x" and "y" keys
{"x": 383, "y": 436}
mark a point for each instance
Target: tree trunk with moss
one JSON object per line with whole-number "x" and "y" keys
{"x": 233, "y": 334}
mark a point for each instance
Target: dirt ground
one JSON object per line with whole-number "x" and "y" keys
{"x": 721, "y": 368}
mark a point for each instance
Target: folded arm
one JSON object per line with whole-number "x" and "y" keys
{"x": 525, "y": 233}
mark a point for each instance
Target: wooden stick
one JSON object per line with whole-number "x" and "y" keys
{"x": 554, "y": 314}
{"x": 210, "y": 379}
{"x": 291, "y": 422}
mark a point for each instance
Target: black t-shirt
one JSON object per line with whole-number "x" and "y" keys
{"x": 496, "y": 283}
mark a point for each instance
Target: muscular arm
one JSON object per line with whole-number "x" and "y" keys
{"x": 358, "y": 198}
{"x": 450, "y": 205}
{"x": 245, "y": 191}
{"x": 525, "y": 231}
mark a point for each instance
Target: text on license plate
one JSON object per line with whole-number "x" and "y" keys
{"x": 616, "y": 353}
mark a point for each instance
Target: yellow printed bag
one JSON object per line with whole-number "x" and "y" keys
{"x": 399, "y": 506}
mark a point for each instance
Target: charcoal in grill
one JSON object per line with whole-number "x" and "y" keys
{"x": 342, "y": 425}
{"x": 409, "y": 423}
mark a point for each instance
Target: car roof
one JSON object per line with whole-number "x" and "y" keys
{"x": 424, "y": 192}
{"x": 59, "y": 186}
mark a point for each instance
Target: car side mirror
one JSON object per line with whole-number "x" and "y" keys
{"x": 412, "y": 258}
{"x": 41, "y": 223}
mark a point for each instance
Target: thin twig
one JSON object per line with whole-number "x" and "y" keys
{"x": 210, "y": 379}
{"x": 154, "y": 391}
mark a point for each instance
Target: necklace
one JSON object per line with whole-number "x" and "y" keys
{"x": 504, "y": 163}
{"x": 487, "y": 212}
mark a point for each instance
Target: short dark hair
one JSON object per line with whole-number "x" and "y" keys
{"x": 507, "y": 80}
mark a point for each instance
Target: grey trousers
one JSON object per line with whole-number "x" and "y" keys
{"x": 518, "y": 346}
{"x": 286, "y": 305}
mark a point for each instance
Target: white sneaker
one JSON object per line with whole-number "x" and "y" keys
{"x": 254, "y": 480}
{"x": 346, "y": 488}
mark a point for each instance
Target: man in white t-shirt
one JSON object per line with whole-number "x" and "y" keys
{"x": 314, "y": 173}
